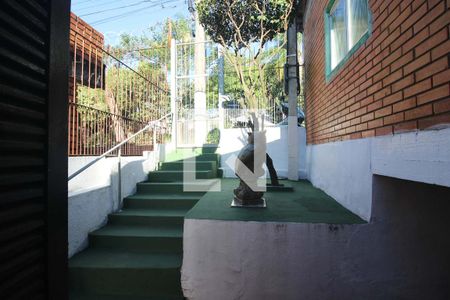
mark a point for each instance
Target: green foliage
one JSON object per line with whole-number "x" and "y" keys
{"x": 94, "y": 98}
{"x": 166, "y": 138}
{"x": 148, "y": 54}
{"x": 246, "y": 29}
{"x": 134, "y": 96}
{"x": 136, "y": 86}
{"x": 273, "y": 76}
{"x": 154, "y": 40}
{"x": 181, "y": 29}
{"x": 213, "y": 136}
{"x": 92, "y": 110}
{"x": 221, "y": 19}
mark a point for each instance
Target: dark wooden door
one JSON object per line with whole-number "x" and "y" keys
{"x": 34, "y": 51}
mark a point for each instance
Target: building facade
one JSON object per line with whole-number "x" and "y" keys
{"x": 86, "y": 69}
{"x": 377, "y": 90}
{"x": 88, "y": 45}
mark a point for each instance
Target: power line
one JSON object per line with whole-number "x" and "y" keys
{"x": 116, "y": 17}
{"x": 98, "y": 4}
{"x": 82, "y": 2}
{"x": 115, "y": 8}
{"x": 89, "y": 3}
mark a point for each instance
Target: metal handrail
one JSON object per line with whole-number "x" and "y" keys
{"x": 118, "y": 146}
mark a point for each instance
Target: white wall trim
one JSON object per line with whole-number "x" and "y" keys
{"x": 422, "y": 156}
{"x": 344, "y": 170}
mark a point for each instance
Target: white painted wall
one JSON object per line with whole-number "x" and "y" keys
{"x": 94, "y": 193}
{"x": 225, "y": 260}
{"x": 88, "y": 211}
{"x": 345, "y": 170}
{"x": 232, "y": 140}
{"x": 397, "y": 256}
{"x": 423, "y": 156}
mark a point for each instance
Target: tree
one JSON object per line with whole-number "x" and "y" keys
{"x": 137, "y": 93}
{"x": 244, "y": 28}
{"x": 153, "y": 43}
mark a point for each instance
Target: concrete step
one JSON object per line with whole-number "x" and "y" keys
{"x": 171, "y": 187}
{"x": 84, "y": 296}
{"x": 208, "y": 157}
{"x": 138, "y": 254}
{"x": 96, "y": 272}
{"x": 149, "y": 217}
{"x": 178, "y": 175}
{"x": 162, "y": 201}
{"x": 179, "y": 165}
{"x": 138, "y": 238}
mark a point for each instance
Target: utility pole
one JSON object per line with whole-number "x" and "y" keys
{"x": 200, "y": 84}
{"x": 169, "y": 32}
{"x": 221, "y": 80}
{"x": 173, "y": 90}
{"x": 292, "y": 78}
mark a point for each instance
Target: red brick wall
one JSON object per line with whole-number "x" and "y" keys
{"x": 84, "y": 35}
{"x": 88, "y": 44}
{"x": 398, "y": 81}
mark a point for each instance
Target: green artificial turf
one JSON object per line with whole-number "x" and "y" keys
{"x": 306, "y": 204}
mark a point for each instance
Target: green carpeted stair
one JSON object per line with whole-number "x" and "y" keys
{"x": 138, "y": 254}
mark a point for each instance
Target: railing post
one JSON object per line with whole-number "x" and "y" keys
{"x": 119, "y": 177}
{"x": 154, "y": 138}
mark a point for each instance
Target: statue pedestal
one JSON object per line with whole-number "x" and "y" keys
{"x": 279, "y": 188}
{"x": 261, "y": 203}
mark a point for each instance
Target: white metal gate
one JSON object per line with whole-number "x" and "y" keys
{"x": 199, "y": 89}
{"x": 196, "y": 89}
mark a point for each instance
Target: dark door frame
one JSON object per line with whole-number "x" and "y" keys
{"x": 57, "y": 215}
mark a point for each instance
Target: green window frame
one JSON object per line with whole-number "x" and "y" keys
{"x": 349, "y": 44}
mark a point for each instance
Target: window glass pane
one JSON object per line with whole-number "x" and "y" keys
{"x": 358, "y": 20}
{"x": 338, "y": 33}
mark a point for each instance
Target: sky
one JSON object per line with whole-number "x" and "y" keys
{"x": 113, "y": 17}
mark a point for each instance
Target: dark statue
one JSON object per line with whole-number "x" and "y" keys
{"x": 244, "y": 195}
